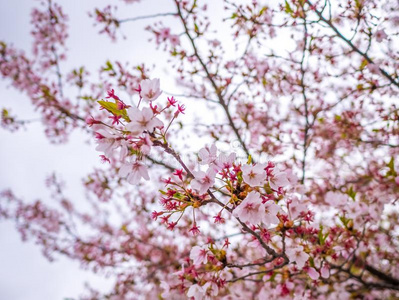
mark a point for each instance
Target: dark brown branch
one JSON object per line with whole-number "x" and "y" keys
{"x": 259, "y": 272}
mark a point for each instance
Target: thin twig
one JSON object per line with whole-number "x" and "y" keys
{"x": 210, "y": 78}
{"x": 146, "y": 17}
{"x": 350, "y": 44}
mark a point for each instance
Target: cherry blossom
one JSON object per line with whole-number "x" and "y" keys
{"x": 142, "y": 120}
{"x": 380, "y": 35}
{"x": 203, "y": 180}
{"x": 199, "y": 255}
{"x": 297, "y": 255}
{"x": 313, "y": 273}
{"x": 207, "y": 155}
{"x": 254, "y": 175}
{"x": 336, "y": 199}
{"x": 296, "y": 207}
{"x": 134, "y": 172}
{"x": 251, "y": 209}
{"x": 196, "y": 291}
{"x": 325, "y": 273}
{"x": 150, "y": 89}
{"x": 225, "y": 161}
{"x": 107, "y": 141}
{"x": 211, "y": 290}
{"x": 279, "y": 179}
{"x": 270, "y": 216}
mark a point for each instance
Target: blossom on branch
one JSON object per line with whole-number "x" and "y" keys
{"x": 150, "y": 89}
{"x": 251, "y": 209}
{"x": 142, "y": 120}
{"x": 134, "y": 172}
{"x": 203, "y": 181}
{"x": 254, "y": 175}
{"x": 297, "y": 255}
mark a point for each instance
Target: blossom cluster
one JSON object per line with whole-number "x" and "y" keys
{"x": 133, "y": 130}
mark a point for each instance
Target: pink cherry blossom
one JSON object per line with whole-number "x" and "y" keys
{"x": 150, "y": 89}
{"x": 313, "y": 273}
{"x": 109, "y": 140}
{"x": 251, "y": 209}
{"x": 134, "y": 172}
{"x": 199, "y": 255}
{"x": 279, "y": 179}
{"x": 203, "y": 181}
{"x": 225, "y": 161}
{"x": 296, "y": 207}
{"x": 336, "y": 199}
{"x": 325, "y": 271}
{"x": 141, "y": 121}
{"x": 106, "y": 141}
{"x": 196, "y": 291}
{"x": 254, "y": 175}
{"x": 297, "y": 255}
{"x": 270, "y": 213}
{"x": 324, "y": 108}
{"x": 174, "y": 40}
{"x": 211, "y": 289}
{"x": 380, "y": 35}
{"x": 207, "y": 155}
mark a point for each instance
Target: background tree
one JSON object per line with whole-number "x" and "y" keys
{"x": 294, "y": 190}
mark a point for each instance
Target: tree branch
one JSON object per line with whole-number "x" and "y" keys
{"x": 210, "y": 78}
{"x": 350, "y": 44}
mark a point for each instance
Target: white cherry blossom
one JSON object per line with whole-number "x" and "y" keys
{"x": 142, "y": 120}
{"x": 108, "y": 140}
{"x": 150, "y": 89}
{"x": 134, "y": 172}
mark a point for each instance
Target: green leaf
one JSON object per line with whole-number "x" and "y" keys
{"x": 196, "y": 29}
{"x": 113, "y": 108}
{"x": 322, "y": 237}
{"x": 351, "y": 193}
{"x": 363, "y": 64}
{"x": 391, "y": 166}
{"x": 288, "y": 8}
{"x": 109, "y": 66}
